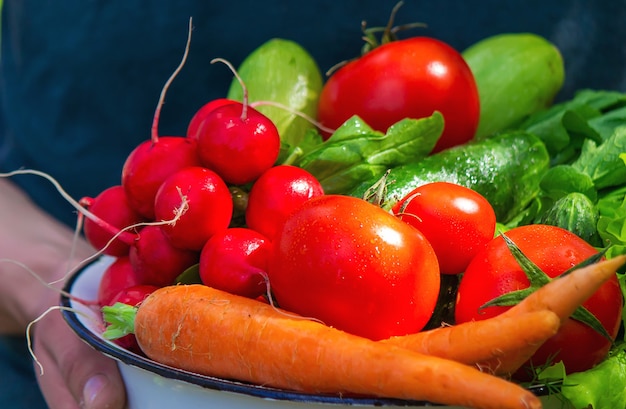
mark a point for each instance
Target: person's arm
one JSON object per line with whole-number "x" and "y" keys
{"x": 75, "y": 375}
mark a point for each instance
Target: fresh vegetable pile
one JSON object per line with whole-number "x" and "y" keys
{"x": 453, "y": 249}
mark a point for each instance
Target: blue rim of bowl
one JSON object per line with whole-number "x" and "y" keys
{"x": 219, "y": 384}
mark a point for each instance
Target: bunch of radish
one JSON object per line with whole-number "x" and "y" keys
{"x": 175, "y": 205}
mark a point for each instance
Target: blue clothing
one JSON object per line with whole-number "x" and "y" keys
{"x": 80, "y": 79}
{"x": 18, "y": 389}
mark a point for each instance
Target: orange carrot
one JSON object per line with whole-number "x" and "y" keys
{"x": 474, "y": 342}
{"x": 207, "y": 331}
{"x": 563, "y": 295}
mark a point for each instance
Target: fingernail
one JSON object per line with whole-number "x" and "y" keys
{"x": 93, "y": 388}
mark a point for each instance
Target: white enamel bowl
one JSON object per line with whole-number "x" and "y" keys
{"x": 150, "y": 385}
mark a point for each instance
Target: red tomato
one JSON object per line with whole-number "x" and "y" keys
{"x": 494, "y": 272}
{"x": 355, "y": 267}
{"x": 405, "y": 79}
{"x": 457, "y": 221}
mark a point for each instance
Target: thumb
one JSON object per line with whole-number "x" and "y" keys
{"x": 101, "y": 390}
{"x": 74, "y": 374}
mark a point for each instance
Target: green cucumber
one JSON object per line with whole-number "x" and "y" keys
{"x": 577, "y": 213}
{"x": 283, "y": 72}
{"x": 505, "y": 169}
{"x": 517, "y": 74}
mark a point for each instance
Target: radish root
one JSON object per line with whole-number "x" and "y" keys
{"x": 57, "y": 186}
{"x": 244, "y": 102}
{"x": 29, "y": 340}
{"x": 302, "y": 115}
{"x": 157, "y": 113}
{"x": 270, "y": 300}
{"x": 84, "y": 212}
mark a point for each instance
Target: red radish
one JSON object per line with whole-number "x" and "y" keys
{"x": 117, "y": 277}
{"x": 235, "y": 261}
{"x": 202, "y": 201}
{"x": 152, "y": 161}
{"x": 149, "y": 164}
{"x": 279, "y": 191}
{"x": 114, "y": 213}
{"x": 237, "y": 141}
{"x": 201, "y": 114}
{"x": 154, "y": 259}
{"x": 132, "y": 296}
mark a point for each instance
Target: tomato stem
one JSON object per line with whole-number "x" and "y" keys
{"x": 302, "y": 115}
{"x": 370, "y": 36}
{"x": 377, "y": 193}
{"x": 389, "y": 31}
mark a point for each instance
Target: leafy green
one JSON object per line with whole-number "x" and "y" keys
{"x": 561, "y": 180}
{"x": 560, "y": 128}
{"x": 586, "y": 140}
{"x": 590, "y": 116}
{"x": 120, "y": 319}
{"x": 602, "y": 387}
{"x": 190, "y": 276}
{"x": 612, "y": 220}
{"x": 355, "y": 152}
{"x": 607, "y": 123}
{"x": 604, "y": 163}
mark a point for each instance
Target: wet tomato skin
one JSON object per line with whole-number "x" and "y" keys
{"x": 408, "y": 78}
{"x": 354, "y": 266}
{"x": 456, "y": 220}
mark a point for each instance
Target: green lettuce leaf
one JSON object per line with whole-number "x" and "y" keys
{"x": 612, "y": 220}
{"x": 603, "y": 162}
{"x": 355, "y": 152}
{"x": 602, "y": 387}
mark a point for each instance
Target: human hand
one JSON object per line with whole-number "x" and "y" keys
{"x": 74, "y": 375}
